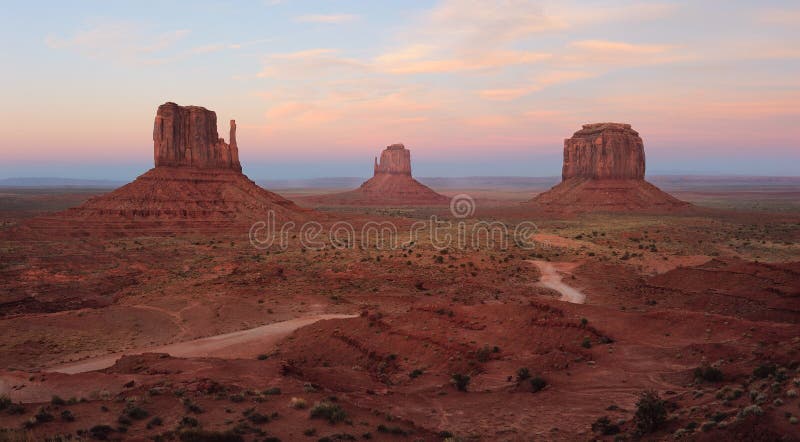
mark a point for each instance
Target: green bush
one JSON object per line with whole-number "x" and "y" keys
{"x": 604, "y": 426}
{"x": 327, "y": 410}
{"x": 209, "y": 436}
{"x": 708, "y": 374}
{"x": 136, "y": 413}
{"x": 67, "y": 416}
{"x": 461, "y": 381}
{"x": 538, "y": 383}
{"x": 101, "y": 432}
{"x": 392, "y": 430}
{"x": 764, "y": 371}
{"x": 651, "y": 412}
{"x": 523, "y": 374}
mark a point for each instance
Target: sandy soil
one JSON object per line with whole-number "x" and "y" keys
{"x": 551, "y": 278}
{"x": 238, "y": 344}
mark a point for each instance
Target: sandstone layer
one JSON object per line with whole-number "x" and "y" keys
{"x": 603, "y": 170}
{"x": 186, "y": 136}
{"x": 604, "y": 151}
{"x": 196, "y": 185}
{"x": 391, "y": 184}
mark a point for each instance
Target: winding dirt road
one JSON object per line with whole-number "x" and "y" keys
{"x": 552, "y": 280}
{"x": 238, "y": 344}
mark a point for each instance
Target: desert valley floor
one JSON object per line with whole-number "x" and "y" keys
{"x": 201, "y": 336}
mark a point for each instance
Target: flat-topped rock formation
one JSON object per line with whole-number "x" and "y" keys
{"x": 395, "y": 160}
{"x": 197, "y": 184}
{"x": 604, "y": 151}
{"x": 603, "y": 170}
{"x": 186, "y": 136}
{"x": 390, "y": 185}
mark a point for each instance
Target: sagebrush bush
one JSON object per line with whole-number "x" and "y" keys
{"x": 651, "y": 412}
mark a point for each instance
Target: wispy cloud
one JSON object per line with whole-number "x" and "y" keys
{"x": 122, "y": 41}
{"x": 542, "y": 81}
{"x": 610, "y": 55}
{"x": 327, "y": 18}
{"x": 422, "y": 59}
{"x": 216, "y": 47}
{"x": 306, "y": 62}
{"x": 783, "y": 17}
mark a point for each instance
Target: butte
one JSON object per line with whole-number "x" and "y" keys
{"x": 197, "y": 185}
{"x": 603, "y": 171}
{"x": 391, "y": 184}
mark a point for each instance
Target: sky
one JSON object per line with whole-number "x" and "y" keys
{"x": 318, "y": 88}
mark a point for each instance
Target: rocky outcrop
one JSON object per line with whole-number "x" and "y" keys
{"x": 186, "y": 136}
{"x": 603, "y": 171}
{"x": 390, "y": 185}
{"x": 604, "y": 151}
{"x": 395, "y": 159}
{"x": 197, "y": 185}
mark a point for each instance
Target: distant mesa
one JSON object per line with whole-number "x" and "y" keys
{"x": 390, "y": 185}
{"x": 197, "y": 184}
{"x": 604, "y": 168}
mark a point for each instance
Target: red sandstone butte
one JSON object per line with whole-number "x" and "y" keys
{"x": 197, "y": 184}
{"x": 391, "y": 184}
{"x": 187, "y": 136}
{"x": 604, "y": 167}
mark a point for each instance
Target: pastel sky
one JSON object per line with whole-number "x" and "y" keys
{"x": 472, "y": 87}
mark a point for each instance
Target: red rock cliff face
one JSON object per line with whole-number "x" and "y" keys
{"x": 604, "y": 151}
{"x": 395, "y": 159}
{"x": 186, "y": 136}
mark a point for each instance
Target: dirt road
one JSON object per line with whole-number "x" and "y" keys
{"x": 552, "y": 280}
{"x": 240, "y": 344}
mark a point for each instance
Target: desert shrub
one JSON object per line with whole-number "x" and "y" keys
{"x": 209, "y": 436}
{"x": 461, "y": 381}
{"x": 136, "y": 413}
{"x": 188, "y": 422}
{"x": 538, "y": 383}
{"x": 15, "y": 409}
{"x": 5, "y": 402}
{"x": 753, "y": 410}
{"x": 42, "y": 416}
{"x": 191, "y": 406}
{"x": 708, "y": 374}
{"x": 392, "y": 430}
{"x": 604, "y": 426}
{"x": 298, "y": 403}
{"x": 56, "y": 400}
{"x": 101, "y": 432}
{"x": 523, "y": 374}
{"x": 272, "y": 391}
{"x": 651, "y": 412}
{"x": 237, "y": 398}
{"x": 586, "y": 343}
{"x": 327, "y": 410}
{"x": 764, "y": 371}
{"x": 67, "y": 416}
{"x": 338, "y": 437}
{"x": 415, "y": 373}
{"x": 155, "y": 422}
{"x": 309, "y": 432}
{"x": 258, "y": 418}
